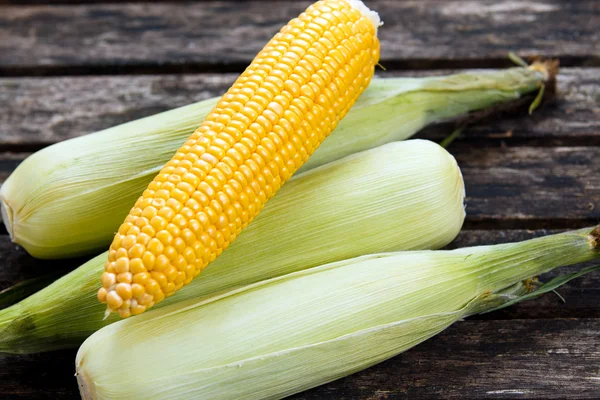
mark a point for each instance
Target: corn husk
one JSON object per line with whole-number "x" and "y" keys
{"x": 288, "y": 334}
{"x": 403, "y": 195}
{"x": 68, "y": 199}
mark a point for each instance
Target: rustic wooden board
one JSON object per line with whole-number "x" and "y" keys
{"x": 42, "y": 111}
{"x": 522, "y": 172}
{"x": 545, "y": 359}
{"x": 17, "y": 266}
{"x": 8, "y": 162}
{"x": 218, "y": 35}
{"x": 521, "y": 187}
{"x": 527, "y": 186}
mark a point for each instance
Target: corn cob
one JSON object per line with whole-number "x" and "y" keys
{"x": 264, "y": 128}
{"x": 409, "y": 195}
{"x": 288, "y": 334}
{"x": 68, "y": 199}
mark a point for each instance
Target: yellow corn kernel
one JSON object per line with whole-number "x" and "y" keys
{"x": 264, "y": 128}
{"x": 102, "y": 295}
{"x": 124, "y": 291}
{"x": 137, "y": 290}
{"x": 113, "y": 300}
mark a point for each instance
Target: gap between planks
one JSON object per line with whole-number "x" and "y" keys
{"x": 225, "y": 35}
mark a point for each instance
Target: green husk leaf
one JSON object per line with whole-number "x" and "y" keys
{"x": 452, "y": 137}
{"x": 538, "y": 100}
{"x": 517, "y": 60}
{"x": 549, "y": 286}
{"x": 25, "y": 288}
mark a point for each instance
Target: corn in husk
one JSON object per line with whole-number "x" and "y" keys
{"x": 288, "y": 334}
{"x": 400, "y": 196}
{"x": 70, "y": 198}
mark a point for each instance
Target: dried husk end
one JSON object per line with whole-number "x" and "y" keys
{"x": 595, "y": 238}
{"x": 7, "y": 217}
{"x": 549, "y": 69}
{"x": 84, "y": 390}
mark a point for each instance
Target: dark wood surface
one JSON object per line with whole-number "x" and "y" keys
{"x": 73, "y": 67}
{"x": 204, "y": 36}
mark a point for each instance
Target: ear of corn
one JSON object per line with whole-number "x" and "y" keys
{"x": 406, "y": 195}
{"x": 262, "y": 130}
{"x": 68, "y": 199}
{"x": 291, "y": 333}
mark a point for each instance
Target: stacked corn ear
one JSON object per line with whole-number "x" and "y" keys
{"x": 68, "y": 199}
{"x": 288, "y": 334}
{"x": 267, "y": 125}
{"x": 400, "y": 196}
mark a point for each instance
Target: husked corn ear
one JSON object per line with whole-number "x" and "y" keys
{"x": 264, "y": 128}
{"x": 288, "y": 334}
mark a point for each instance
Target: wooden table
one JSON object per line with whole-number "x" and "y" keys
{"x": 69, "y": 69}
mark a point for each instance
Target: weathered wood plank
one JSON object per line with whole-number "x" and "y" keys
{"x": 72, "y": 2}
{"x": 42, "y": 111}
{"x": 217, "y": 34}
{"x": 39, "y": 376}
{"x": 8, "y": 162}
{"x": 471, "y": 360}
{"x": 17, "y": 266}
{"x": 523, "y": 187}
{"x": 524, "y": 184}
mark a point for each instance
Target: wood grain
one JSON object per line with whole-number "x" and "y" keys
{"x": 218, "y": 35}
{"x": 17, "y": 266}
{"x": 43, "y": 111}
{"x": 532, "y": 184}
{"x": 73, "y": 2}
{"x": 471, "y": 360}
{"x": 8, "y": 162}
